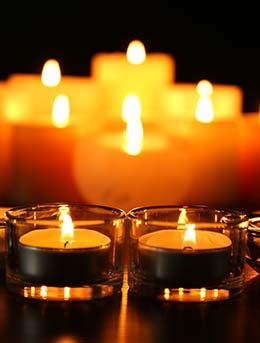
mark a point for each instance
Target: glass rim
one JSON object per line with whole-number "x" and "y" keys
{"x": 10, "y": 214}
{"x": 133, "y": 213}
{"x": 253, "y": 225}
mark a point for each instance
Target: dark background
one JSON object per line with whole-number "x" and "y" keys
{"x": 217, "y": 41}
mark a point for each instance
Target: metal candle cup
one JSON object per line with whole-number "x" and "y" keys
{"x": 44, "y": 258}
{"x": 163, "y": 258}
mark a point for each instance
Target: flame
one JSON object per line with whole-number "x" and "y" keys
{"x": 44, "y": 292}
{"x": 135, "y": 53}
{"x": 203, "y": 294}
{"x": 183, "y": 219}
{"x": 67, "y": 227}
{"x": 131, "y": 107}
{"x": 189, "y": 239}
{"x": 204, "y": 111}
{"x": 51, "y": 74}
{"x": 131, "y": 113}
{"x": 66, "y": 293}
{"x": 61, "y": 111}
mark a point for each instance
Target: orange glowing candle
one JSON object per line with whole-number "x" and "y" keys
{"x": 197, "y": 117}
{"x": 30, "y": 97}
{"x": 181, "y": 101}
{"x": 43, "y": 156}
{"x": 131, "y": 167}
{"x": 120, "y": 74}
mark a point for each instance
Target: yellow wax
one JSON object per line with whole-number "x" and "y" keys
{"x": 51, "y": 239}
{"x": 180, "y": 101}
{"x": 173, "y": 239}
{"x": 158, "y": 68}
{"x": 118, "y": 78}
{"x": 29, "y": 102}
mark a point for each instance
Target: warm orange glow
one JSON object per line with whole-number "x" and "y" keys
{"x": 204, "y": 111}
{"x": 61, "y": 111}
{"x": 131, "y": 112}
{"x": 67, "y": 227}
{"x": 136, "y": 52}
{"x": 51, "y": 74}
{"x": 189, "y": 239}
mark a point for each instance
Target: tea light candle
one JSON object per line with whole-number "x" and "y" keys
{"x": 185, "y": 258}
{"x": 58, "y": 257}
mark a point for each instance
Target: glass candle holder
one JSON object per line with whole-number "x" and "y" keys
{"x": 65, "y": 252}
{"x": 186, "y": 254}
{"x": 2, "y": 239}
{"x": 253, "y": 243}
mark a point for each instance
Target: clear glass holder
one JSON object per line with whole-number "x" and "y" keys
{"x": 187, "y": 254}
{"x": 48, "y": 261}
{"x": 253, "y": 243}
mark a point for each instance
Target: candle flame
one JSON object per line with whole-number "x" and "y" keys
{"x": 204, "y": 111}
{"x": 167, "y": 293}
{"x": 131, "y": 112}
{"x": 66, "y": 293}
{"x": 131, "y": 107}
{"x": 44, "y": 292}
{"x": 136, "y": 52}
{"x": 61, "y": 111}
{"x": 183, "y": 219}
{"x": 189, "y": 239}
{"x": 67, "y": 227}
{"x": 51, "y": 74}
{"x": 203, "y": 294}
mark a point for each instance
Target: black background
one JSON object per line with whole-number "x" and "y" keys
{"x": 219, "y": 42}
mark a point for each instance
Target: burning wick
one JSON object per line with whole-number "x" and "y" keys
{"x": 66, "y": 243}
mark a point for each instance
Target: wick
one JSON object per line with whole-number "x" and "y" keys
{"x": 66, "y": 243}
{"x": 188, "y": 248}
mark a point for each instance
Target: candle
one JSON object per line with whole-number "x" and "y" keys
{"x": 178, "y": 252}
{"x": 54, "y": 257}
{"x": 132, "y": 167}
{"x": 195, "y": 127}
{"x": 120, "y": 74}
{"x": 30, "y": 97}
{"x": 41, "y": 152}
{"x": 181, "y": 101}
{"x": 58, "y": 257}
{"x": 249, "y": 166}
{"x": 5, "y": 135}
{"x": 185, "y": 258}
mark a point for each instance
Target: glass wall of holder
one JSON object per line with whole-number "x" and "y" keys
{"x": 253, "y": 242}
{"x": 187, "y": 254}
{"x": 65, "y": 252}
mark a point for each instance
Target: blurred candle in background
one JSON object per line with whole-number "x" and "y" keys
{"x": 5, "y": 136}
{"x": 249, "y": 166}
{"x": 203, "y": 121}
{"x": 179, "y": 101}
{"x": 43, "y": 144}
{"x": 131, "y": 168}
{"x": 120, "y": 74}
{"x": 30, "y": 97}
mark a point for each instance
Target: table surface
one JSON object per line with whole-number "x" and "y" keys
{"x": 127, "y": 318}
